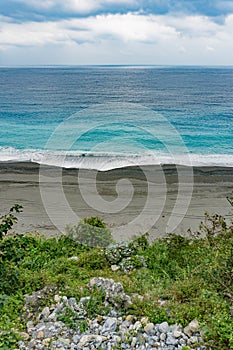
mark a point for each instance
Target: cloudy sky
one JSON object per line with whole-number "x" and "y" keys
{"x": 171, "y": 32}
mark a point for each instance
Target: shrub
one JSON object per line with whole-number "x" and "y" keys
{"x": 92, "y": 232}
{"x": 9, "y": 278}
{"x": 9, "y": 219}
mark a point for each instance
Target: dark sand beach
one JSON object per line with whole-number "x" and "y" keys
{"x": 131, "y": 200}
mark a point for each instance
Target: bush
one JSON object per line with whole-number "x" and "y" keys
{"x": 91, "y": 232}
{"x": 9, "y": 219}
{"x": 9, "y": 278}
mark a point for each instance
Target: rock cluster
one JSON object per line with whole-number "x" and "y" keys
{"x": 123, "y": 256}
{"x": 114, "y": 331}
{"x": 114, "y": 292}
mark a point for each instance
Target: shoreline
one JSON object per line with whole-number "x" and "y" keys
{"x": 19, "y": 183}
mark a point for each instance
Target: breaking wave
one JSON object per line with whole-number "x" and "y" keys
{"x": 107, "y": 161}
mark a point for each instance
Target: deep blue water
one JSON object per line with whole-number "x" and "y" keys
{"x": 121, "y": 115}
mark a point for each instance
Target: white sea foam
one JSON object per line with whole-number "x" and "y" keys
{"x": 107, "y": 161}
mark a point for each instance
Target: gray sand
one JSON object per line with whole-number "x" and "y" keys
{"x": 70, "y": 194}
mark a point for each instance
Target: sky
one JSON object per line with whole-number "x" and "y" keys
{"x": 135, "y": 32}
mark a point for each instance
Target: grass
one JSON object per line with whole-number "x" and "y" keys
{"x": 193, "y": 278}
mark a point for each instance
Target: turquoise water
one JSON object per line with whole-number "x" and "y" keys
{"x": 107, "y": 117}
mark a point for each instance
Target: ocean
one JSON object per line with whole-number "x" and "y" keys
{"x": 106, "y": 117}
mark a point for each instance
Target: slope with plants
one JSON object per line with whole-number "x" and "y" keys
{"x": 180, "y": 279}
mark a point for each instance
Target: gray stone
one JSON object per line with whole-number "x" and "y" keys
{"x": 86, "y": 339}
{"x": 114, "y": 291}
{"x": 76, "y": 338}
{"x": 84, "y": 300}
{"x": 193, "y": 340}
{"x": 164, "y": 327}
{"x": 109, "y": 325}
{"x": 64, "y": 341}
{"x": 45, "y": 313}
{"x": 141, "y": 339}
{"x": 116, "y": 338}
{"x": 182, "y": 342}
{"x": 52, "y": 316}
{"x": 125, "y": 324}
{"x": 170, "y": 340}
{"x": 72, "y": 302}
{"x": 103, "y": 331}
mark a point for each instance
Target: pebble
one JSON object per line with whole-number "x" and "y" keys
{"x": 115, "y": 267}
{"x": 129, "y": 318}
{"x": 106, "y": 332}
{"x": 170, "y": 340}
{"x": 74, "y": 258}
{"x": 163, "y": 336}
{"x": 177, "y": 334}
{"x": 109, "y": 325}
{"x": 164, "y": 327}
{"x": 150, "y": 328}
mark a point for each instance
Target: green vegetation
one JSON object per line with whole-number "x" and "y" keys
{"x": 9, "y": 219}
{"x": 92, "y": 232}
{"x": 184, "y": 278}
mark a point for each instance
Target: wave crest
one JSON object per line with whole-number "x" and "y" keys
{"x": 107, "y": 161}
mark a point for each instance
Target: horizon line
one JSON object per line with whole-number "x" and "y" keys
{"x": 116, "y": 65}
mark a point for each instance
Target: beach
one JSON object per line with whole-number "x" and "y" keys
{"x": 54, "y": 197}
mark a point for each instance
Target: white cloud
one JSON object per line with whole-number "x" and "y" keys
{"x": 127, "y": 27}
{"x": 194, "y": 26}
{"x": 152, "y": 38}
{"x": 30, "y": 34}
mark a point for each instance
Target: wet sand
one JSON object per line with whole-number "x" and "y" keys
{"x": 131, "y": 200}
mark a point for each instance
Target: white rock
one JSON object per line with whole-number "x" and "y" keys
{"x": 86, "y": 339}
{"x": 74, "y": 258}
{"x": 150, "y": 328}
{"x": 144, "y": 320}
{"x": 64, "y": 341}
{"x": 177, "y": 334}
{"x": 133, "y": 342}
{"x": 30, "y": 326}
{"x": 115, "y": 267}
{"x": 193, "y": 327}
{"x": 57, "y": 298}
{"x": 137, "y": 325}
{"x": 163, "y": 336}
